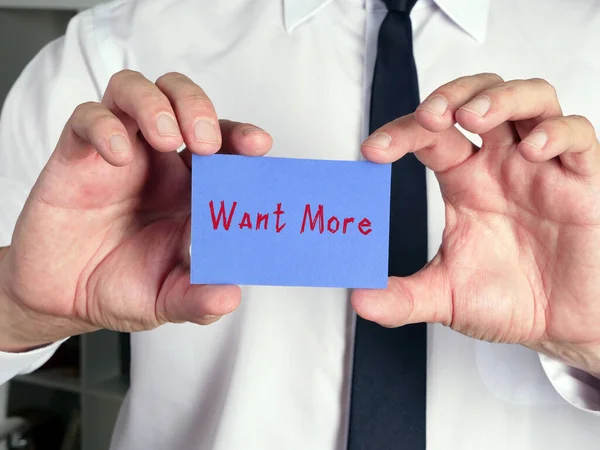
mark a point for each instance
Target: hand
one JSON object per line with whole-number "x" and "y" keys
{"x": 520, "y": 254}
{"x": 103, "y": 239}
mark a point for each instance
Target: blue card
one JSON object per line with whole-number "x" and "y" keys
{"x": 289, "y": 222}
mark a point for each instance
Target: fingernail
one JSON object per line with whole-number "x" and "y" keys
{"x": 205, "y": 131}
{"x": 166, "y": 125}
{"x": 119, "y": 144}
{"x": 480, "y": 106}
{"x": 379, "y": 140}
{"x": 435, "y": 105}
{"x": 538, "y": 139}
{"x": 252, "y": 129}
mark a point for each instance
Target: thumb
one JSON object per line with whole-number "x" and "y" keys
{"x": 422, "y": 297}
{"x": 197, "y": 303}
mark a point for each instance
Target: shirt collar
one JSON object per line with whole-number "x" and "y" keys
{"x": 470, "y": 15}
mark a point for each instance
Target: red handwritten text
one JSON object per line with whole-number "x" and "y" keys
{"x": 313, "y": 221}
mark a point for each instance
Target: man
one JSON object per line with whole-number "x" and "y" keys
{"x": 102, "y": 240}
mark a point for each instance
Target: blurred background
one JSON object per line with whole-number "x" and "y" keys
{"x": 71, "y": 403}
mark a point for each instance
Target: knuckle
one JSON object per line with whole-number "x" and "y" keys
{"x": 545, "y": 85}
{"x": 170, "y": 76}
{"x": 466, "y": 86}
{"x": 197, "y": 101}
{"x": 150, "y": 95}
{"x": 505, "y": 97}
{"x": 410, "y": 308}
{"x": 84, "y": 109}
{"x": 540, "y": 81}
{"x": 174, "y": 75}
{"x": 551, "y": 91}
{"x": 510, "y": 90}
{"x": 587, "y": 132}
{"x": 560, "y": 126}
{"x": 494, "y": 77}
{"x": 511, "y": 95}
{"x": 104, "y": 122}
{"x": 151, "y": 98}
{"x": 584, "y": 121}
{"x": 456, "y": 88}
{"x": 123, "y": 75}
{"x": 184, "y": 91}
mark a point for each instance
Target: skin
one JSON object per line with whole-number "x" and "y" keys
{"x": 98, "y": 246}
{"x": 520, "y": 256}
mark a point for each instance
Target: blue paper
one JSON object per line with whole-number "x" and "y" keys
{"x": 343, "y": 205}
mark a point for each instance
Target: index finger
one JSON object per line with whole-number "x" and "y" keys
{"x": 140, "y": 105}
{"x": 438, "y": 151}
{"x": 238, "y": 139}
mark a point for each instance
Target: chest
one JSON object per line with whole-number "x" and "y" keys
{"x": 309, "y": 87}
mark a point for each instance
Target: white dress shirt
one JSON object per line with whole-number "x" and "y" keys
{"x": 275, "y": 374}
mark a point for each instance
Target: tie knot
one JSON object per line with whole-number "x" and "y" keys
{"x": 404, "y": 6}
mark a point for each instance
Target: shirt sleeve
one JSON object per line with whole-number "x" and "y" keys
{"x": 13, "y": 364}
{"x": 577, "y": 387}
{"x": 63, "y": 75}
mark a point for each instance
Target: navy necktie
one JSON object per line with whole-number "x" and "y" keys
{"x": 388, "y": 382}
